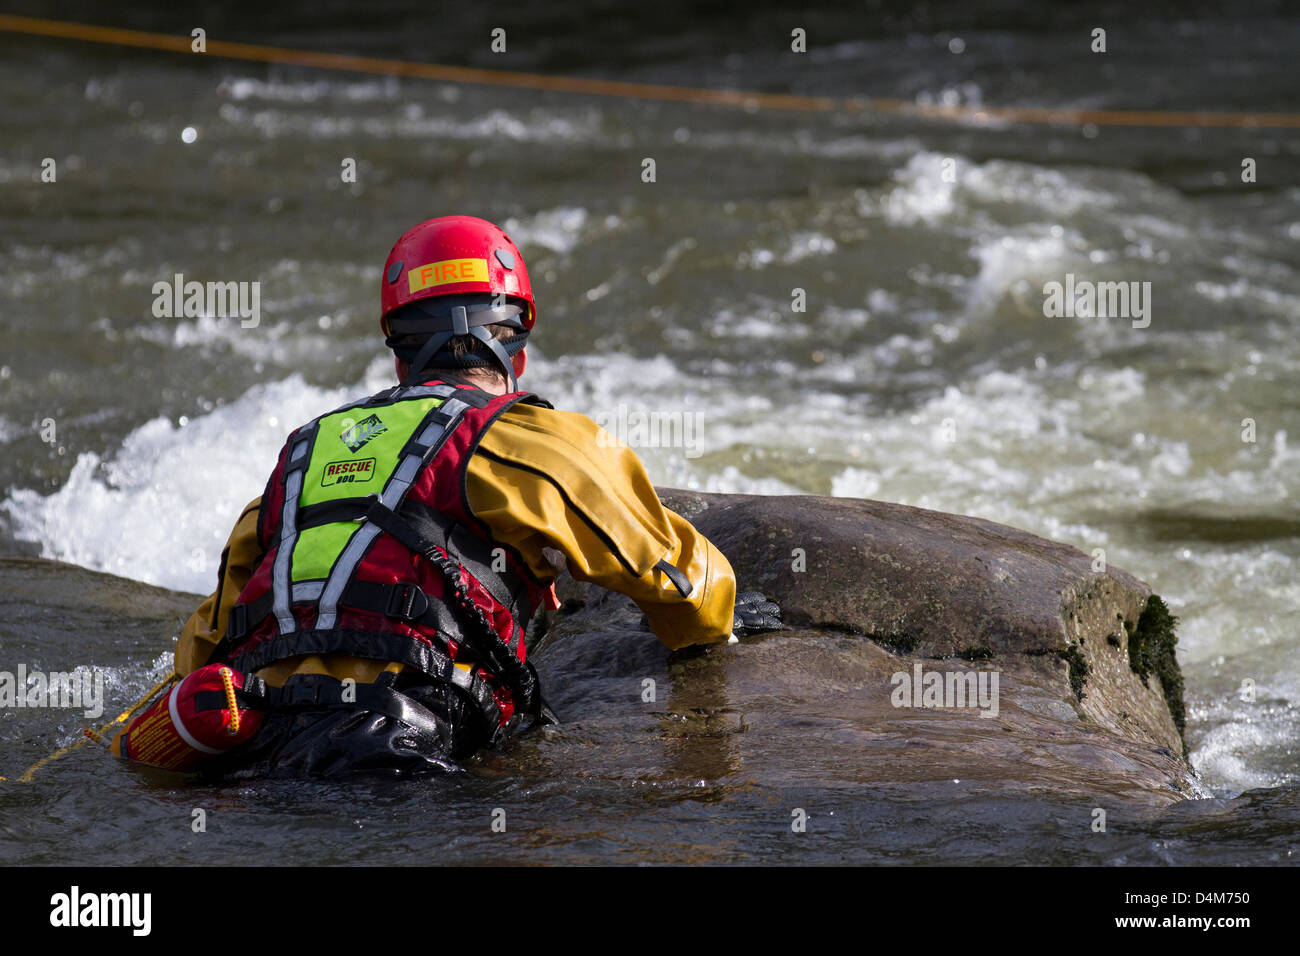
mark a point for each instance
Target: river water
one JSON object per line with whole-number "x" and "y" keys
{"x": 922, "y": 369}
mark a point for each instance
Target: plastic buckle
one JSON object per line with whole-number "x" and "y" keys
{"x": 304, "y": 690}
{"x": 373, "y": 499}
{"x": 406, "y": 601}
{"x": 255, "y": 686}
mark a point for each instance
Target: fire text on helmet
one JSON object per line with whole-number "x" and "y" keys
{"x": 446, "y": 271}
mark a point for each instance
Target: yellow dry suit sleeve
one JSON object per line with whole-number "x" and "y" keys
{"x": 207, "y": 625}
{"x": 543, "y": 478}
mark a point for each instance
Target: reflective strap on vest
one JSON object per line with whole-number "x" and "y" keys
{"x": 295, "y": 467}
{"x": 430, "y": 435}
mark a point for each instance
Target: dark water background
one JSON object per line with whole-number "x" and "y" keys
{"x": 924, "y": 313}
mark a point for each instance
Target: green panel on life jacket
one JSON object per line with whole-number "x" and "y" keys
{"x": 316, "y": 550}
{"x": 354, "y": 454}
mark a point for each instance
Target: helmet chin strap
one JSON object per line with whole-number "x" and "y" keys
{"x": 422, "y": 357}
{"x": 460, "y": 326}
{"x": 484, "y": 336}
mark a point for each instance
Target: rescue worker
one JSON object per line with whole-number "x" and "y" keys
{"x": 372, "y": 603}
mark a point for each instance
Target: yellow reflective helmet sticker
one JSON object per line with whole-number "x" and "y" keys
{"x": 448, "y": 270}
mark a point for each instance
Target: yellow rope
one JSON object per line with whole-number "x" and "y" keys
{"x": 227, "y": 681}
{"x": 745, "y": 99}
{"x": 97, "y": 734}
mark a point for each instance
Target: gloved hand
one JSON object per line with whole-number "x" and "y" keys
{"x": 755, "y": 613}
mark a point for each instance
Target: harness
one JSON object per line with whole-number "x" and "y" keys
{"x": 337, "y": 573}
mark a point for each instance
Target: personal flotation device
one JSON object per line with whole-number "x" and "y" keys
{"x": 370, "y": 550}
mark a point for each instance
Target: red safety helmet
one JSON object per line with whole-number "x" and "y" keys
{"x": 451, "y": 255}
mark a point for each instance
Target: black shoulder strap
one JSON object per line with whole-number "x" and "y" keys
{"x": 530, "y": 398}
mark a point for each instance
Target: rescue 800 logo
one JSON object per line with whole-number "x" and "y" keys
{"x": 348, "y": 472}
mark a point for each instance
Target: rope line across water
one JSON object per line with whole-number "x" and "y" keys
{"x": 978, "y": 115}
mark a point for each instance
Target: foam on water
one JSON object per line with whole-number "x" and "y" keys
{"x": 1249, "y": 743}
{"x": 933, "y": 188}
{"x": 927, "y": 189}
{"x": 411, "y": 122}
{"x": 242, "y": 88}
{"x": 161, "y": 508}
{"x": 1016, "y": 262}
{"x": 797, "y": 247}
{"x": 557, "y": 229}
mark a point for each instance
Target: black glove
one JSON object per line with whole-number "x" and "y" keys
{"x": 755, "y": 613}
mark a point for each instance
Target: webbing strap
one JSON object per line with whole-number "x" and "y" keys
{"x": 484, "y": 336}
{"x": 445, "y": 322}
{"x": 419, "y": 528}
{"x": 402, "y": 600}
{"x": 328, "y": 512}
{"x": 433, "y": 527}
{"x": 471, "y": 396}
{"x": 294, "y": 469}
{"x": 245, "y": 617}
{"x": 369, "y": 645}
{"x": 678, "y": 577}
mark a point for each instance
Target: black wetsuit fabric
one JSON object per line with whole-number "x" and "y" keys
{"x": 337, "y": 741}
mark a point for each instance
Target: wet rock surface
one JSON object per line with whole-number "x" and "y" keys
{"x": 877, "y": 596}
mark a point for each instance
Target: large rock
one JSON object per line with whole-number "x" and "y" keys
{"x": 1089, "y": 695}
